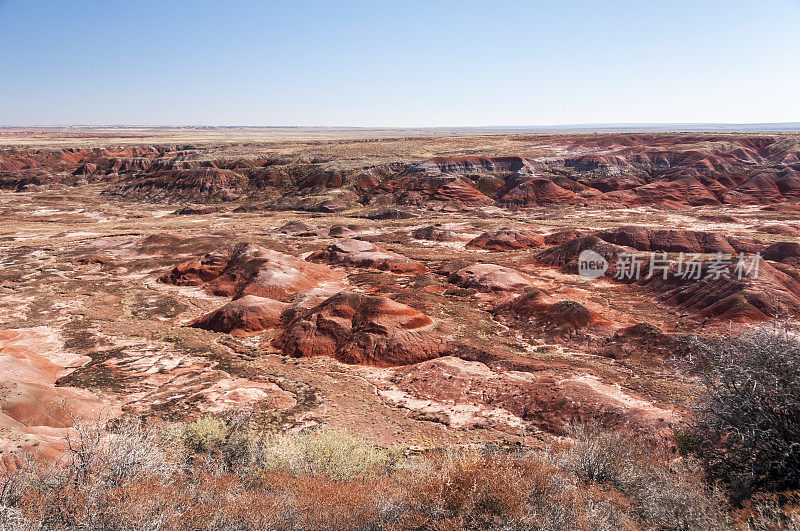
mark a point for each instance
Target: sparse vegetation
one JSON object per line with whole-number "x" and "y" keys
{"x": 223, "y": 474}
{"x": 749, "y": 421}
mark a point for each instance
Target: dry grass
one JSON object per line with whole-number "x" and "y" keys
{"x": 222, "y": 474}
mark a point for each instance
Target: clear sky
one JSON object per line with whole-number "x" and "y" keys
{"x": 398, "y": 63}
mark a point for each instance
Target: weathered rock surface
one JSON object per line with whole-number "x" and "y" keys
{"x": 506, "y": 240}
{"x": 360, "y": 253}
{"x": 566, "y": 255}
{"x": 555, "y": 317}
{"x": 245, "y": 269}
{"x": 470, "y": 394}
{"x": 360, "y": 329}
{"x": 676, "y": 241}
{"x": 436, "y": 234}
{"x": 245, "y": 316}
{"x": 490, "y": 278}
{"x": 761, "y": 293}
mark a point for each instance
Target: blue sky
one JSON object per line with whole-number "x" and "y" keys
{"x": 404, "y": 63}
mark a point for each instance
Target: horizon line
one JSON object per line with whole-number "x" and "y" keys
{"x": 542, "y": 126}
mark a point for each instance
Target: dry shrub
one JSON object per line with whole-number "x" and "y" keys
{"x": 487, "y": 490}
{"x": 136, "y": 477}
{"x": 629, "y": 463}
{"x": 749, "y": 419}
{"x": 323, "y": 451}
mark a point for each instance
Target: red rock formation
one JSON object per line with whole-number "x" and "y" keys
{"x": 557, "y": 317}
{"x": 754, "y": 297}
{"x": 550, "y": 399}
{"x": 436, "y": 234}
{"x": 295, "y": 228}
{"x": 198, "y": 210}
{"x": 200, "y": 185}
{"x": 245, "y": 316}
{"x": 565, "y": 256}
{"x": 676, "y": 241}
{"x": 686, "y": 191}
{"x": 490, "y": 278}
{"x": 563, "y": 236}
{"x": 244, "y": 269}
{"x": 770, "y": 186}
{"x": 359, "y": 253}
{"x": 786, "y": 252}
{"x": 779, "y": 228}
{"x": 506, "y": 240}
{"x": 460, "y": 191}
{"x": 360, "y": 329}
{"x": 466, "y": 165}
{"x": 526, "y": 191}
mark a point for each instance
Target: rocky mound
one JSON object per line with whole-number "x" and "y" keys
{"x": 389, "y": 214}
{"x": 766, "y": 186}
{"x": 330, "y": 202}
{"x": 506, "y": 240}
{"x": 559, "y": 317}
{"x": 563, "y": 236}
{"x": 470, "y": 394}
{"x": 245, "y": 316}
{"x": 566, "y": 255}
{"x": 294, "y": 228}
{"x": 760, "y": 294}
{"x": 676, "y": 241}
{"x": 472, "y": 165}
{"x": 245, "y": 269}
{"x": 675, "y": 193}
{"x": 360, "y": 253}
{"x": 198, "y": 210}
{"x": 433, "y": 191}
{"x": 200, "y": 185}
{"x": 490, "y": 278}
{"x": 526, "y": 191}
{"x": 786, "y": 252}
{"x": 360, "y": 329}
{"x": 437, "y": 234}
{"x": 782, "y": 229}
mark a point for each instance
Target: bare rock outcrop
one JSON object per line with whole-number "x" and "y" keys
{"x": 245, "y": 269}
{"x": 360, "y": 253}
{"x": 360, "y": 329}
{"x": 490, "y": 278}
{"x": 245, "y": 316}
{"x": 506, "y": 240}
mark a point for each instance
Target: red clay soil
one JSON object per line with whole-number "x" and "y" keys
{"x": 677, "y": 241}
{"x": 563, "y": 317}
{"x": 771, "y": 293}
{"x": 565, "y": 256}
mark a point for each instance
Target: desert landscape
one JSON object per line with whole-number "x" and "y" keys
{"x": 416, "y": 291}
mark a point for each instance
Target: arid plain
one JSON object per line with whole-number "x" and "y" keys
{"x": 415, "y": 289}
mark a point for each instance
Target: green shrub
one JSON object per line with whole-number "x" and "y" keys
{"x": 687, "y": 440}
{"x": 204, "y": 434}
{"x": 332, "y": 453}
